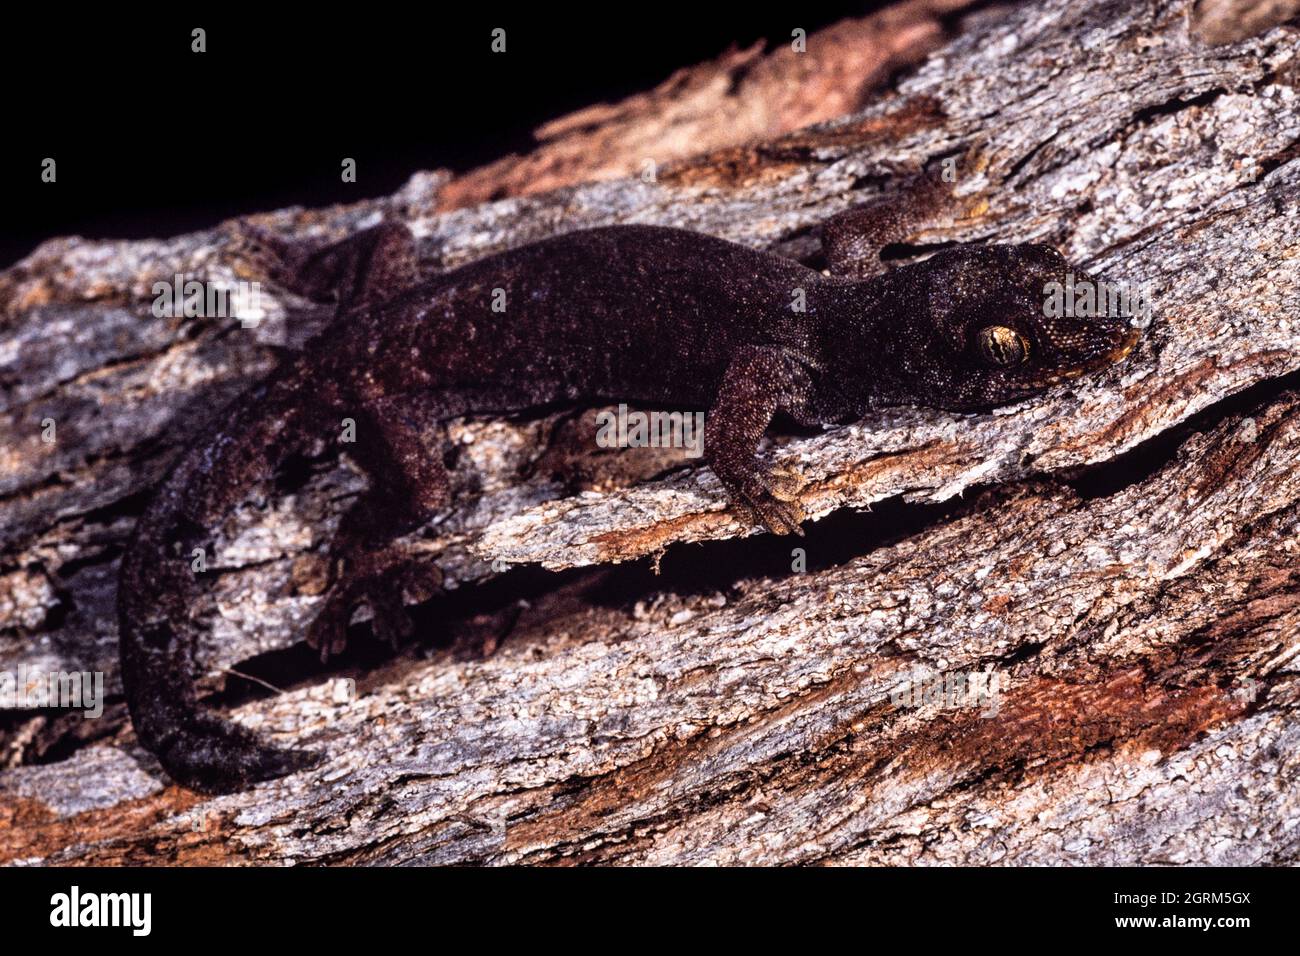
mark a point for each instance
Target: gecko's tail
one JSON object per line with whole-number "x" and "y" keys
{"x": 198, "y": 749}
{"x": 157, "y": 587}
{"x": 206, "y": 753}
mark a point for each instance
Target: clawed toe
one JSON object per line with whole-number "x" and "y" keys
{"x": 780, "y": 517}
{"x": 389, "y": 619}
{"x": 420, "y": 580}
{"x": 771, "y": 498}
{"x": 328, "y": 633}
{"x": 383, "y": 595}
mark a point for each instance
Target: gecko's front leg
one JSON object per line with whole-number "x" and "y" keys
{"x": 759, "y": 382}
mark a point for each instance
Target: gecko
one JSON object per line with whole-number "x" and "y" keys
{"x": 655, "y": 315}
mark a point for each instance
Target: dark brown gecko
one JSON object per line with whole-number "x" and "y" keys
{"x": 645, "y": 314}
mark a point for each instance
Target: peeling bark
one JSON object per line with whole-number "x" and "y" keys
{"x": 1119, "y": 555}
{"x": 743, "y": 97}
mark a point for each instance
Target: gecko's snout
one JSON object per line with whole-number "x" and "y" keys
{"x": 1114, "y": 343}
{"x": 1114, "y": 337}
{"x": 1126, "y": 345}
{"x": 1084, "y": 323}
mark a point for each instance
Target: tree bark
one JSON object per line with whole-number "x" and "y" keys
{"x": 1117, "y": 558}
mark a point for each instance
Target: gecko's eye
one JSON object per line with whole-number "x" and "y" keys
{"x": 999, "y": 345}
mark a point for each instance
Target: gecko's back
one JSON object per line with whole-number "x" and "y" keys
{"x": 637, "y": 312}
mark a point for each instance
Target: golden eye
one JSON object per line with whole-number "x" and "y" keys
{"x": 1000, "y": 345}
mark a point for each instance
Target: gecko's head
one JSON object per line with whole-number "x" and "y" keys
{"x": 999, "y": 323}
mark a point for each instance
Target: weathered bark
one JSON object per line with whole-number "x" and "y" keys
{"x": 744, "y": 96}
{"x": 1126, "y": 563}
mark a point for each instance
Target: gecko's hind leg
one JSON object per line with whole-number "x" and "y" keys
{"x": 409, "y": 484}
{"x": 362, "y": 269}
{"x": 853, "y": 240}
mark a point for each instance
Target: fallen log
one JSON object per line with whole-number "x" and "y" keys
{"x": 1112, "y": 565}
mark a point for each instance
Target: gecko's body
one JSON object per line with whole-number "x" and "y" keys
{"x": 659, "y": 316}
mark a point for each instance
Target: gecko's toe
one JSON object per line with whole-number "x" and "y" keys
{"x": 771, "y": 498}
{"x": 328, "y": 633}
{"x": 419, "y": 580}
{"x": 386, "y": 596}
{"x": 782, "y": 517}
{"x": 784, "y": 483}
{"x": 389, "y": 619}
{"x": 383, "y": 595}
{"x": 777, "y": 516}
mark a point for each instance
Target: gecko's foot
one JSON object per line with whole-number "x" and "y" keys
{"x": 328, "y": 633}
{"x": 771, "y": 498}
{"x": 367, "y": 266}
{"x": 784, "y": 483}
{"x": 212, "y": 755}
{"x": 383, "y": 594}
{"x": 265, "y": 253}
{"x": 290, "y": 264}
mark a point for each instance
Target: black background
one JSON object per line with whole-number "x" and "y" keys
{"x": 911, "y": 910}
{"x": 151, "y": 139}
